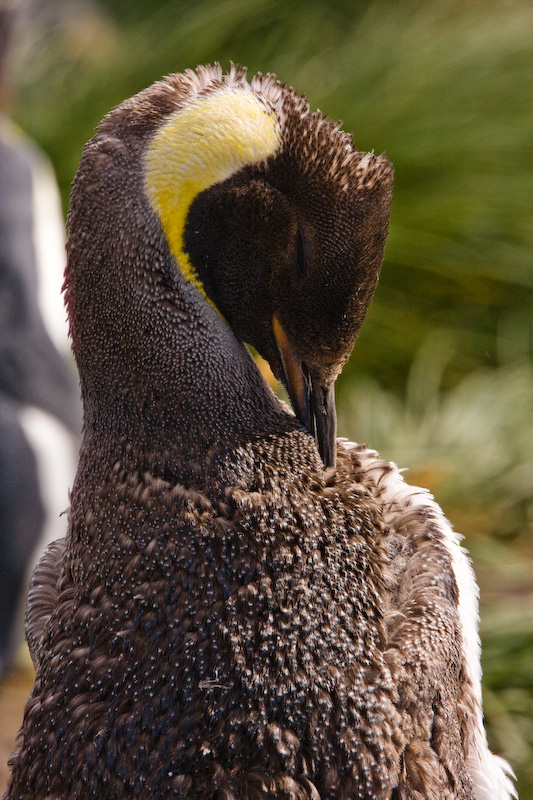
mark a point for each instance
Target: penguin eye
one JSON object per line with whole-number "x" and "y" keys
{"x": 303, "y": 254}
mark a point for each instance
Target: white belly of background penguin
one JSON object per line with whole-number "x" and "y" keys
{"x": 244, "y": 606}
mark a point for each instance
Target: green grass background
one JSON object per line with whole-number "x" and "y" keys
{"x": 441, "y": 379}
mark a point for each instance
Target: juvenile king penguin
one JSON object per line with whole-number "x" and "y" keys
{"x": 243, "y": 607}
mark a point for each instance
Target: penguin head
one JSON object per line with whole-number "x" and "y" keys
{"x": 289, "y": 249}
{"x": 271, "y": 213}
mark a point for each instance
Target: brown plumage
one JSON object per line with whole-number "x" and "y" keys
{"x": 227, "y": 618}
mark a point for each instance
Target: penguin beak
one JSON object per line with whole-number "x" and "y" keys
{"x": 313, "y": 402}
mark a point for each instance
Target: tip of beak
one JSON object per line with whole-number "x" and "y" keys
{"x": 325, "y": 419}
{"x": 313, "y": 403}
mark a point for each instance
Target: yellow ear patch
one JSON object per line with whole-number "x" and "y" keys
{"x": 200, "y": 145}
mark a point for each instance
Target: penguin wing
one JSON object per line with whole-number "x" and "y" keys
{"x": 42, "y": 597}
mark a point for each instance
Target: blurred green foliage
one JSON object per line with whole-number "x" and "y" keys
{"x": 441, "y": 379}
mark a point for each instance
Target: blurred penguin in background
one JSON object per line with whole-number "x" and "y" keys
{"x": 40, "y": 413}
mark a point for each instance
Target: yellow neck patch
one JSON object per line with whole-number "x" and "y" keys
{"x": 199, "y": 145}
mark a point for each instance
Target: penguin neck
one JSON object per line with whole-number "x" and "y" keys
{"x": 163, "y": 372}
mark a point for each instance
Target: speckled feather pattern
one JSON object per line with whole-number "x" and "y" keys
{"x": 225, "y": 619}
{"x": 244, "y": 638}
{"x": 249, "y": 621}
{"x": 240, "y": 608}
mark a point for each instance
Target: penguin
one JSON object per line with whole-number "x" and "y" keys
{"x": 40, "y": 414}
{"x": 21, "y": 521}
{"x": 244, "y": 606}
